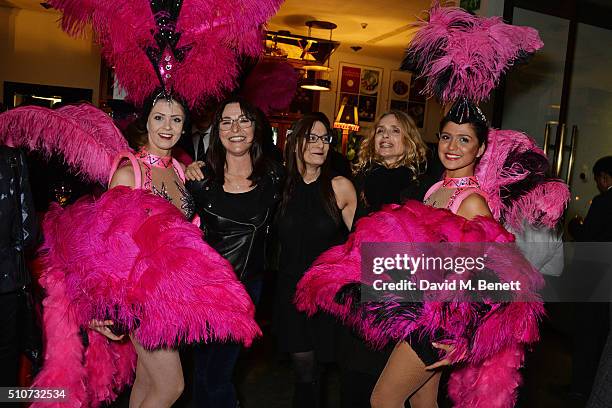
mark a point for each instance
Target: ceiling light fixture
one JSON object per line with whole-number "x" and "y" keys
{"x": 321, "y": 25}
{"x": 315, "y": 84}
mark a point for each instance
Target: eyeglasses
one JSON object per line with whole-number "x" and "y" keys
{"x": 312, "y": 138}
{"x": 243, "y": 123}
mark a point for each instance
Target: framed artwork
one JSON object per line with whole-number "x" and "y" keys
{"x": 359, "y": 86}
{"x": 405, "y": 95}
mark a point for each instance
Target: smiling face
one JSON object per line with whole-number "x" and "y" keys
{"x": 236, "y": 131}
{"x": 388, "y": 140}
{"x": 458, "y": 149}
{"x": 164, "y": 126}
{"x": 315, "y": 153}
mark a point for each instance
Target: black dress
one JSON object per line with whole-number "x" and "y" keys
{"x": 305, "y": 231}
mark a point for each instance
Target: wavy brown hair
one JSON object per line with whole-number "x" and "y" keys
{"x": 415, "y": 150}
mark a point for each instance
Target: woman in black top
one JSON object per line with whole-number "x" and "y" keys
{"x": 315, "y": 214}
{"x": 389, "y": 170}
{"x": 236, "y": 193}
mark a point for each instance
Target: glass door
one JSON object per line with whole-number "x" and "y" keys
{"x": 589, "y": 116}
{"x": 563, "y": 97}
{"x": 532, "y": 97}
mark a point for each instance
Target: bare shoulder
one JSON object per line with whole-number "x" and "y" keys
{"x": 123, "y": 176}
{"x": 474, "y": 205}
{"x": 342, "y": 184}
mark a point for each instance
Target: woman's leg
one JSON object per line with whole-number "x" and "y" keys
{"x": 141, "y": 385}
{"x": 306, "y": 393}
{"x": 405, "y": 377}
{"x": 164, "y": 377}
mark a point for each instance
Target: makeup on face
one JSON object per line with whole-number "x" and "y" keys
{"x": 164, "y": 126}
{"x": 458, "y": 149}
{"x": 236, "y": 130}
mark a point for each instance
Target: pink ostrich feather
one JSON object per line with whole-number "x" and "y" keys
{"x": 63, "y": 353}
{"x": 271, "y": 86}
{"x": 83, "y": 135}
{"x": 216, "y": 34}
{"x": 505, "y": 326}
{"x": 542, "y": 204}
{"x": 138, "y": 260}
{"x": 462, "y": 55}
{"x": 132, "y": 257}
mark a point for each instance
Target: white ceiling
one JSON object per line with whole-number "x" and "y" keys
{"x": 386, "y": 35}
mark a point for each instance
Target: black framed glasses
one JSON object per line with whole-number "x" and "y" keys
{"x": 312, "y": 138}
{"x": 243, "y": 123}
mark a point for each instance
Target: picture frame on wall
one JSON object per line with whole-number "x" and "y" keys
{"x": 359, "y": 86}
{"x": 405, "y": 95}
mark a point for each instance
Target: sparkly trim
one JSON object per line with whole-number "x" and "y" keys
{"x": 149, "y": 161}
{"x": 461, "y": 182}
{"x": 153, "y": 160}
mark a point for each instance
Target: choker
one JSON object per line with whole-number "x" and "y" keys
{"x": 461, "y": 182}
{"x": 154, "y": 161}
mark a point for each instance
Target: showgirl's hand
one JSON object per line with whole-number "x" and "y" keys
{"x": 101, "y": 326}
{"x": 449, "y": 349}
{"x": 193, "y": 171}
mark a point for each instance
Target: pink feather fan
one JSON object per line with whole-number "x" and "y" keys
{"x": 210, "y": 35}
{"x": 132, "y": 257}
{"x": 85, "y": 137}
{"x": 462, "y": 55}
{"x": 498, "y": 338}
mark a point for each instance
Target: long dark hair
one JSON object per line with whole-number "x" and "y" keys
{"x": 294, "y": 152}
{"x": 216, "y": 154}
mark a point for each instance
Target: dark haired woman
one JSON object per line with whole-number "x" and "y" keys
{"x": 412, "y": 371}
{"x": 315, "y": 214}
{"x": 159, "y": 377}
{"x": 236, "y": 193}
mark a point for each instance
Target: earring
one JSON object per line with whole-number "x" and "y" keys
{"x": 182, "y": 132}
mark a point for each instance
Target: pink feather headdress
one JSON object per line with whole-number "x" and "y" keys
{"x": 464, "y": 56}
{"x": 191, "y": 47}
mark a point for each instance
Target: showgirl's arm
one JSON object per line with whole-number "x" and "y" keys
{"x": 473, "y": 206}
{"x": 124, "y": 176}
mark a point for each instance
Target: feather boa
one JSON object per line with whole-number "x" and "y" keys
{"x": 216, "y": 34}
{"x": 132, "y": 257}
{"x": 86, "y": 137}
{"x": 500, "y": 334}
{"x": 462, "y": 55}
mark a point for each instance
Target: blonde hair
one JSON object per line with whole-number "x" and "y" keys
{"x": 415, "y": 150}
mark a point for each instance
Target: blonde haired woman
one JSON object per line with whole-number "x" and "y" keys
{"x": 390, "y": 166}
{"x": 391, "y": 158}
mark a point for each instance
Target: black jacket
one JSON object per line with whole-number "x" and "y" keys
{"x": 243, "y": 244}
{"x": 18, "y": 230}
{"x": 597, "y": 225}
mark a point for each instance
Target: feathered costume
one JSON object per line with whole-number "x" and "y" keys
{"x": 131, "y": 256}
{"x": 462, "y": 58}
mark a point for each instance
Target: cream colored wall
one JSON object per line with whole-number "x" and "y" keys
{"x": 35, "y": 50}
{"x": 328, "y": 104}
